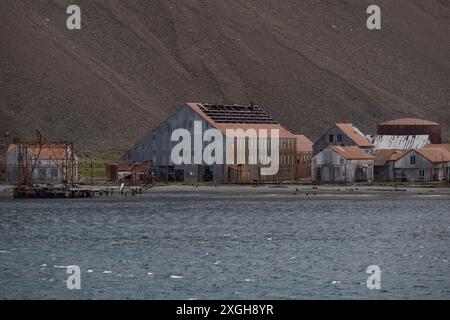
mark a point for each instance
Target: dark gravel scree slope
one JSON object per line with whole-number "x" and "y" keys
{"x": 309, "y": 63}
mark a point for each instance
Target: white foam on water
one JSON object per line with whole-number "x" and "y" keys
{"x": 217, "y": 262}
{"x": 60, "y": 267}
{"x": 90, "y": 271}
{"x": 176, "y": 277}
{"x": 107, "y": 272}
{"x": 335, "y": 282}
{"x": 249, "y": 280}
{"x": 4, "y": 251}
{"x": 149, "y": 273}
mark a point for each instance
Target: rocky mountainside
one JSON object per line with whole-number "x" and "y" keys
{"x": 309, "y": 63}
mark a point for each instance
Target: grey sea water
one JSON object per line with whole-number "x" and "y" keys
{"x": 225, "y": 246}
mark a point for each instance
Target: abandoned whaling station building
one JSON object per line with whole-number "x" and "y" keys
{"x": 401, "y": 151}
{"x": 156, "y": 146}
{"x": 342, "y": 164}
{"x": 428, "y": 164}
{"x": 41, "y": 164}
{"x": 343, "y": 134}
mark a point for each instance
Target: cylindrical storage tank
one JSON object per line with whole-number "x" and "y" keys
{"x": 410, "y": 126}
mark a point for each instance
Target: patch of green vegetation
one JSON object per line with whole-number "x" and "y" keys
{"x": 95, "y": 162}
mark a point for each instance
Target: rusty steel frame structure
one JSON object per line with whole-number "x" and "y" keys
{"x": 27, "y": 160}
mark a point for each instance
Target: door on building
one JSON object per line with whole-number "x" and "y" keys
{"x": 208, "y": 174}
{"x": 171, "y": 174}
{"x": 179, "y": 175}
{"x": 404, "y": 176}
{"x": 361, "y": 174}
{"x": 318, "y": 174}
{"x": 205, "y": 174}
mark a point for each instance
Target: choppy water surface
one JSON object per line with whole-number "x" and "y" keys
{"x": 194, "y": 246}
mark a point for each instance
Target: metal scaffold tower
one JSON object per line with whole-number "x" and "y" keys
{"x": 60, "y": 153}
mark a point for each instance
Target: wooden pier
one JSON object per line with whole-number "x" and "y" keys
{"x": 72, "y": 192}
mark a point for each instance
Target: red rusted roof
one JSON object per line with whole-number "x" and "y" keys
{"x": 445, "y": 146}
{"x": 46, "y": 152}
{"x": 384, "y": 155}
{"x": 351, "y": 153}
{"x": 409, "y": 121}
{"x": 303, "y": 143}
{"x": 354, "y": 134}
{"x": 435, "y": 155}
{"x": 283, "y": 133}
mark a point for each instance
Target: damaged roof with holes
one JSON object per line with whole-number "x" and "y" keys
{"x": 399, "y": 142}
{"x": 384, "y": 155}
{"x": 354, "y": 134}
{"x": 351, "y": 153}
{"x": 234, "y": 117}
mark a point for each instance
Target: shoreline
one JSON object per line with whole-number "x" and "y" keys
{"x": 277, "y": 189}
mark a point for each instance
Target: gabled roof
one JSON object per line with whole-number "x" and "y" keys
{"x": 351, "y": 153}
{"x": 445, "y": 146}
{"x": 384, "y": 155}
{"x": 303, "y": 143}
{"x": 354, "y": 134}
{"x": 409, "y": 121}
{"x": 234, "y": 117}
{"x": 435, "y": 155}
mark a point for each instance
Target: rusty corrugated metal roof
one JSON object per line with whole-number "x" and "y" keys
{"x": 46, "y": 152}
{"x": 410, "y": 121}
{"x": 354, "y": 134}
{"x": 435, "y": 155}
{"x": 223, "y": 126}
{"x": 303, "y": 143}
{"x": 384, "y": 155}
{"x": 445, "y": 146}
{"x": 351, "y": 153}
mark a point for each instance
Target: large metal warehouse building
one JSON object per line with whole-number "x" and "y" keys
{"x": 157, "y": 145}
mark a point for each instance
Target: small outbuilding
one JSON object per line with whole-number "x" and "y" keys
{"x": 423, "y": 165}
{"x": 342, "y": 164}
{"x": 384, "y": 161}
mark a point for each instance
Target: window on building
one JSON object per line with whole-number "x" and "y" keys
{"x": 42, "y": 173}
{"x": 331, "y": 138}
{"x": 413, "y": 159}
{"x": 54, "y": 173}
{"x": 339, "y": 138}
{"x": 422, "y": 174}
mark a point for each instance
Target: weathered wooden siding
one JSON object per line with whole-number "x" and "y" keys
{"x": 324, "y": 142}
{"x": 157, "y": 147}
{"x": 328, "y": 166}
{"x": 422, "y": 170}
